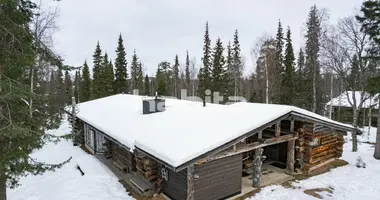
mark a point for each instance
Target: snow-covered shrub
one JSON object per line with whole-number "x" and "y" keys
{"x": 360, "y": 163}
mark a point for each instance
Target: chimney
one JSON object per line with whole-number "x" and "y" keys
{"x": 153, "y": 105}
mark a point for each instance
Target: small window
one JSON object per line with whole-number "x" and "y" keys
{"x": 315, "y": 142}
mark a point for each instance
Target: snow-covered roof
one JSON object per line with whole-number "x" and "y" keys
{"x": 186, "y": 129}
{"x": 346, "y": 97}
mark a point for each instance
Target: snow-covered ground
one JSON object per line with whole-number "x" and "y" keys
{"x": 98, "y": 183}
{"x": 67, "y": 183}
{"x": 348, "y": 182}
{"x": 365, "y": 137}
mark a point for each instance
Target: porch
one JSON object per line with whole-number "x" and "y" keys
{"x": 131, "y": 181}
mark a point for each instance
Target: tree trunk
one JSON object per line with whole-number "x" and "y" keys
{"x": 314, "y": 108}
{"x": 3, "y": 188}
{"x": 266, "y": 81}
{"x": 257, "y": 162}
{"x": 377, "y": 146}
{"x": 31, "y": 91}
{"x": 190, "y": 182}
{"x": 331, "y": 95}
{"x": 354, "y": 136}
{"x": 290, "y": 156}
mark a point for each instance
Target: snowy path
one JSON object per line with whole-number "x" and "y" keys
{"x": 67, "y": 183}
{"x": 348, "y": 182}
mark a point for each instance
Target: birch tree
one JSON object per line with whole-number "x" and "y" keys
{"x": 344, "y": 49}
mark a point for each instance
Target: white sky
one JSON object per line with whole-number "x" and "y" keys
{"x": 160, "y": 29}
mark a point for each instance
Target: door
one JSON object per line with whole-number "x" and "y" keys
{"x": 100, "y": 148}
{"x": 89, "y": 137}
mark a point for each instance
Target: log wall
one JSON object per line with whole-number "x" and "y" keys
{"x": 122, "y": 158}
{"x": 317, "y": 145}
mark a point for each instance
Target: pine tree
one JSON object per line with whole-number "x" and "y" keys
{"x": 60, "y": 85}
{"x": 146, "y": 86}
{"x": 218, "y": 72}
{"x": 312, "y": 65}
{"x": 68, "y": 88}
{"x": 175, "y": 75}
{"x": 370, "y": 21}
{"x": 204, "y": 75}
{"x": 140, "y": 78}
{"x": 288, "y": 80}
{"x": 97, "y": 71}
{"x": 134, "y": 70}
{"x": 162, "y": 79}
{"x": 85, "y": 87}
{"x": 104, "y": 77}
{"x": 187, "y": 72}
{"x": 279, "y": 64}
{"x": 121, "y": 73}
{"x": 108, "y": 76}
{"x": 237, "y": 64}
{"x": 230, "y": 71}
{"x": 77, "y": 83}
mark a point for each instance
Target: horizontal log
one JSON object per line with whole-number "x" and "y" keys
{"x": 250, "y": 147}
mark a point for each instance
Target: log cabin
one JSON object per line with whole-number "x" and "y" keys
{"x": 191, "y": 150}
{"x": 342, "y": 110}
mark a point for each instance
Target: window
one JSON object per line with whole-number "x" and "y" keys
{"x": 315, "y": 142}
{"x": 89, "y": 133}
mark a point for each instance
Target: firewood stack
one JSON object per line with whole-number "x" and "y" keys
{"x": 147, "y": 167}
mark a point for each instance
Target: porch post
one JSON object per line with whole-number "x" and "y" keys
{"x": 290, "y": 156}
{"x": 190, "y": 182}
{"x": 257, "y": 162}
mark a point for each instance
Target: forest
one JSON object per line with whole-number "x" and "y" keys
{"x": 36, "y": 83}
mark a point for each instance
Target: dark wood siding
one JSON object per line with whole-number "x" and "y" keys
{"x": 218, "y": 179}
{"x": 176, "y": 186}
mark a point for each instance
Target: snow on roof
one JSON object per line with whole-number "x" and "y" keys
{"x": 185, "y": 130}
{"x": 344, "y": 101}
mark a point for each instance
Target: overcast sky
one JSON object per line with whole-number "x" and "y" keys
{"x": 160, "y": 29}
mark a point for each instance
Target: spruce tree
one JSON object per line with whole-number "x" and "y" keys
{"x": 121, "y": 73}
{"x": 85, "y": 87}
{"x": 278, "y": 71}
{"x": 97, "y": 71}
{"x": 237, "y": 64}
{"x": 230, "y": 71}
{"x": 175, "y": 76}
{"x": 312, "y": 65}
{"x": 187, "y": 72}
{"x": 146, "y": 86}
{"x": 77, "y": 83}
{"x": 140, "y": 78}
{"x": 134, "y": 70}
{"x": 218, "y": 72}
{"x": 288, "y": 79}
{"x": 68, "y": 88}
{"x": 161, "y": 78}
{"x": 300, "y": 80}
{"x": 204, "y": 75}
{"x": 108, "y": 76}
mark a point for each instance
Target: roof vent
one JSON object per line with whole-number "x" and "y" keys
{"x": 153, "y": 105}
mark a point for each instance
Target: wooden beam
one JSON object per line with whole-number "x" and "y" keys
{"x": 292, "y": 125}
{"x": 290, "y": 156}
{"x": 251, "y": 146}
{"x": 278, "y": 129}
{"x": 190, "y": 182}
{"x": 257, "y": 162}
{"x": 230, "y": 143}
{"x": 260, "y": 134}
